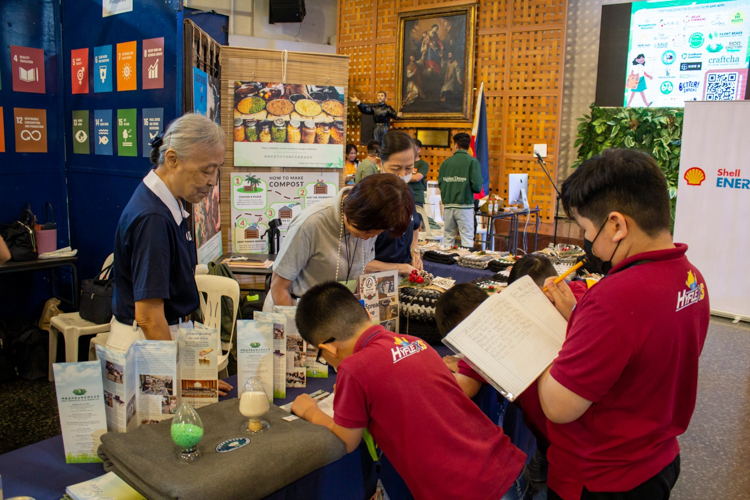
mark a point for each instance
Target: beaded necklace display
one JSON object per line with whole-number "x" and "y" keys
{"x": 338, "y": 254}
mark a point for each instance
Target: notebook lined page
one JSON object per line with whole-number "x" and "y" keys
{"x": 512, "y": 337}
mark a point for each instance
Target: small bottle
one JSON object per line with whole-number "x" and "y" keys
{"x": 293, "y": 133}
{"x": 265, "y": 132}
{"x": 494, "y": 206}
{"x": 239, "y": 130}
{"x": 308, "y": 132}
{"x": 278, "y": 132}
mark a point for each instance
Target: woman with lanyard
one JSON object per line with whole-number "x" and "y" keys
{"x": 335, "y": 239}
{"x": 155, "y": 258}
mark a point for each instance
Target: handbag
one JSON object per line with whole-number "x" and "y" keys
{"x": 96, "y": 297}
{"x": 632, "y": 82}
{"x": 20, "y": 237}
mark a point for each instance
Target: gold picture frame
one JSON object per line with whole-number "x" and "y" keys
{"x": 433, "y": 83}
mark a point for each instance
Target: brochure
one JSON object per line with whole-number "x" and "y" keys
{"x": 107, "y": 486}
{"x": 139, "y": 383}
{"x": 255, "y": 354}
{"x": 277, "y": 324}
{"x": 379, "y": 293}
{"x": 199, "y": 349}
{"x": 296, "y": 349}
{"x": 79, "y": 402}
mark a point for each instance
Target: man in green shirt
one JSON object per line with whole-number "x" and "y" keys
{"x": 418, "y": 183}
{"x": 459, "y": 177}
{"x": 369, "y": 165}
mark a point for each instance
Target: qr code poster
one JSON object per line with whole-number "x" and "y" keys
{"x": 725, "y": 85}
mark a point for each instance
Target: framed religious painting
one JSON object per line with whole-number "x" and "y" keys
{"x": 435, "y": 67}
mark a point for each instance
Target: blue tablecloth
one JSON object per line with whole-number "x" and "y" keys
{"x": 456, "y": 272}
{"x": 40, "y": 471}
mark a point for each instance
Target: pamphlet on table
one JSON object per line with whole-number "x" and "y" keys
{"x": 107, "y": 486}
{"x": 511, "y": 338}
{"x": 198, "y": 363}
{"x": 80, "y": 398}
{"x": 296, "y": 349}
{"x": 139, "y": 384}
{"x": 277, "y": 324}
{"x": 255, "y": 356}
{"x": 379, "y": 293}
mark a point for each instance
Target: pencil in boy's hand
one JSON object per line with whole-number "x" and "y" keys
{"x": 567, "y": 273}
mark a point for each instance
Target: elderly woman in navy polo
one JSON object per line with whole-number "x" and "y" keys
{"x": 154, "y": 250}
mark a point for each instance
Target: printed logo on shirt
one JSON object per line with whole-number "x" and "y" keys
{"x": 404, "y": 348}
{"x": 694, "y": 293}
{"x": 454, "y": 179}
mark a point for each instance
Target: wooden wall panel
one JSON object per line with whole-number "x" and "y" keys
{"x": 519, "y": 57}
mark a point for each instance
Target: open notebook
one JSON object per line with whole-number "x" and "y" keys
{"x": 511, "y": 338}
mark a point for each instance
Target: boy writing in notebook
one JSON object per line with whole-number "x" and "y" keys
{"x": 623, "y": 386}
{"x": 398, "y": 388}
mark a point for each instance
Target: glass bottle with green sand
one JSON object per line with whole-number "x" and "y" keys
{"x": 187, "y": 431}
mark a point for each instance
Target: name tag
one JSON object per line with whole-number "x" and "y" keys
{"x": 188, "y": 236}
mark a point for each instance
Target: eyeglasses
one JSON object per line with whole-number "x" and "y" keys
{"x": 319, "y": 358}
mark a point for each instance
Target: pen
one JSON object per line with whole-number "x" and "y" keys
{"x": 567, "y": 273}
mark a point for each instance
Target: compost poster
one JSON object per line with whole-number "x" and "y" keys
{"x": 258, "y": 198}
{"x": 288, "y": 125}
{"x": 687, "y": 51}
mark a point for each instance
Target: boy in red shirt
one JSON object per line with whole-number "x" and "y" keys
{"x": 624, "y": 384}
{"x": 398, "y": 387}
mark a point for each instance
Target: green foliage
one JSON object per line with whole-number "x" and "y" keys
{"x": 656, "y": 131}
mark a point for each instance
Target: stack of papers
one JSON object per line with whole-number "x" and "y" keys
{"x": 244, "y": 262}
{"x": 107, "y": 486}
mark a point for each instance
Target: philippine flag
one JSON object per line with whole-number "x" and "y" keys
{"x": 479, "y": 142}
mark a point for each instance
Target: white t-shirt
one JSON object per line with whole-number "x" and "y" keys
{"x": 638, "y": 69}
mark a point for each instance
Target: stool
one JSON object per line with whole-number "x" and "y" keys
{"x": 72, "y": 326}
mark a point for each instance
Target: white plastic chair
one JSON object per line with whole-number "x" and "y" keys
{"x": 214, "y": 288}
{"x": 428, "y": 233}
{"x": 72, "y": 326}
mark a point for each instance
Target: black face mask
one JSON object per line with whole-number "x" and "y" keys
{"x": 595, "y": 264}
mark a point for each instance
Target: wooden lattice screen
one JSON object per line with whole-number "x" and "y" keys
{"x": 519, "y": 57}
{"x": 242, "y": 64}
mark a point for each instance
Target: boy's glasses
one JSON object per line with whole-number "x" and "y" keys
{"x": 319, "y": 358}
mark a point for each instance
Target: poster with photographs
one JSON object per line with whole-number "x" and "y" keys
{"x": 261, "y": 197}
{"x": 379, "y": 291}
{"x": 206, "y": 214}
{"x": 283, "y": 125}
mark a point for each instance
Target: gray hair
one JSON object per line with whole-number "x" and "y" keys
{"x": 186, "y": 136}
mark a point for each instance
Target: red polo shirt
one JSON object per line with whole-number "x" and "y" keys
{"x": 441, "y": 443}
{"x": 632, "y": 347}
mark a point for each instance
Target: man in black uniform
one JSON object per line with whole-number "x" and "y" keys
{"x": 382, "y": 114}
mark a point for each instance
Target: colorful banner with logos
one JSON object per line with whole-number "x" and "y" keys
{"x": 687, "y": 51}
{"x": 79, "y": 71}
{"x": 31, "y": 130}
{"x": 27, "y": 68}
{"x": 200, "y": 95}
{"x": 153, "y": 121}
{"x": 260, "y": 197}
{"x": 153, "y": 63}
{"x": 127, "y": 143}
{"x": 81, "y": 132}
{"x": 713, "y": 200}
{"x": 127, "y": 73}
{"x": 103, "y": 132}
{"x": 103, "y": 68}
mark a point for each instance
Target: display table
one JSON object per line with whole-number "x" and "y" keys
{"x": 459, "y": 273}
{"x": 50, "y": 265}
{"x": 40, "y": 471}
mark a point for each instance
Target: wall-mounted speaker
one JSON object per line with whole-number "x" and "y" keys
{"x": 286, "y": 11}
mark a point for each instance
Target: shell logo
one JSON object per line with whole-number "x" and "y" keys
{"x": 695, "y": 176}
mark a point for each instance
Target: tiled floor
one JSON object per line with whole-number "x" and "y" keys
{"x": 715, "y": 449}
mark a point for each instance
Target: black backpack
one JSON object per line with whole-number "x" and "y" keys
{"x": 20, "y": 237}
{"x": 31, "y": 353}
{"x": 9, "y": 331}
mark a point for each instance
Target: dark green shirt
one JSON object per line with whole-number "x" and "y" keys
{"x": 419, "y": 187}
{"x": 366, "y": 167}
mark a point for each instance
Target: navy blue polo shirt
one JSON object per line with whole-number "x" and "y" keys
{"x": 154, "y": 255}
{"x": 398, "y": 250}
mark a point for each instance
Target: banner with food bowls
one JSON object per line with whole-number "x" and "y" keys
{"x": 288, "y": 125}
